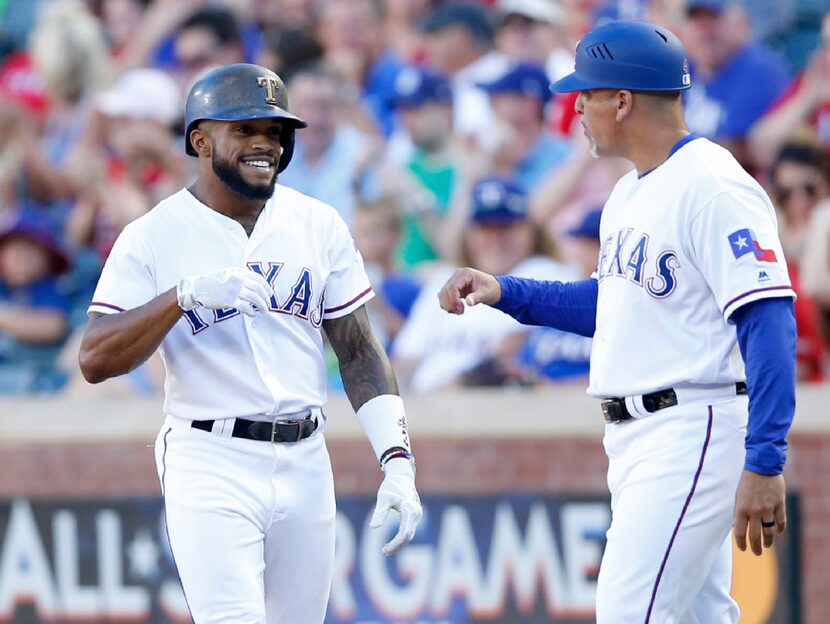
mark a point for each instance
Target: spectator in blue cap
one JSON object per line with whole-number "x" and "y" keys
{"x": 524, "y": 147}
{"x": 498, "y": 201}
{"x": 33, "y": 311}
{"x": 423, "y": 99}
{"x": 416, "y": 85}
{"x": 480, "y": 351}
{"x": 585, "y": 243}
{"x": 527, "y": 79}
{"x": 458, "y": 39}
{"x": 550, "y": 355}
{"x": 734, "y": 79}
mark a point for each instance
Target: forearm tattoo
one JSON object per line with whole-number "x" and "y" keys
{"x": 364, "y": 366}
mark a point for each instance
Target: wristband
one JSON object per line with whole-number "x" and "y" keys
{"x": 384, "y": 421}
{"x": 392, "y": 453}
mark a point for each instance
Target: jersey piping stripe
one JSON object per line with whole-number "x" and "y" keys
{"x": 752, "y": 292}
{"x": 680, "y": 519}
{"x": 348, "y": 303}
{"x": 106, "y": 305}
{"x": 164, "y": 502}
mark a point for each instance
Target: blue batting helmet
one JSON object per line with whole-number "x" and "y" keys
{"x": 239, "y": 92}
{"x": 637, "y": 56}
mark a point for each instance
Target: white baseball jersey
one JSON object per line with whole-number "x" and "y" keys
{"x": 221, "y": 363}
{"x": 682, "y": 248}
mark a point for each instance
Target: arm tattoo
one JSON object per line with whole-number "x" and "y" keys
{"x": 364, "y": 366}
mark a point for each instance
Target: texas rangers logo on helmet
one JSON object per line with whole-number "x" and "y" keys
{"x": 271, "y": 87}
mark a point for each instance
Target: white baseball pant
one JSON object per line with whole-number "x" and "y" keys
{"x": 250, "y": 524}
{"x": 673, "y": 475}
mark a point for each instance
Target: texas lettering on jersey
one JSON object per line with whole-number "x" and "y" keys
{"x": 298, "y": 303}
{"x": 624, "y": 254}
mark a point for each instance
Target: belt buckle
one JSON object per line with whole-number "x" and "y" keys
{"x": 295, "y": 423}
{"x": 613, "y": 411}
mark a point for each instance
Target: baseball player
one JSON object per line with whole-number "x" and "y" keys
{"x": 234, "y": 278}
{"x": 689, "y": 307}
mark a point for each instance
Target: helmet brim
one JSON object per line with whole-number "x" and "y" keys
{"x": 570, "y": 83}
{"x": 245, "y": 114}
{"x": 573, "y": 82}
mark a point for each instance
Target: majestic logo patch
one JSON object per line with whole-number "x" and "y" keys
{"x": 744, "y": 242}
{"x": 763, "y": 276}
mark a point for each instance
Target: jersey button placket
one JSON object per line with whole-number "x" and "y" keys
{"x": 247, "y": 250}
{"x": 257, "y": 324}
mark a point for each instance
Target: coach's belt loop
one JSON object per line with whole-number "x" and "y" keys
{"x": 634, "y": 405}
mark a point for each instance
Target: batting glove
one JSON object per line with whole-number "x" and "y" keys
{"x": 397, "y": 491}
{"x": 233, "y": 287}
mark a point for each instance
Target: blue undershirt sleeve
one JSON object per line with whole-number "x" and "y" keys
{"x": 767, "y": 335}
{"x": 569, "y": 306}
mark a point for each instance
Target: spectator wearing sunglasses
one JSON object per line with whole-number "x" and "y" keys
{"x": 800, "y": 183}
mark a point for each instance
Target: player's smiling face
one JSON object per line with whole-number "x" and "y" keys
{"x": 598, "y": 108}
{"x": 245, "y": 155}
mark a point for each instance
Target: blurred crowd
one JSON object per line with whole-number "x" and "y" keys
{"x": 433, "y": 132}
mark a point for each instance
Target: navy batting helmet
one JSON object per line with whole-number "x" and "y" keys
{"x": 238, "y": 92}
{"x": 637, "y": 56}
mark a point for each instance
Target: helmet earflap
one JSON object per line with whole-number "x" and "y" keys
{"x": 287, "y": 143}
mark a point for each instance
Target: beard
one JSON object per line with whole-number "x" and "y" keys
{"x": 230, "y": 175}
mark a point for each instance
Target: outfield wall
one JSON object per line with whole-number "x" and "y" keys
{"x": 478, "y": 453}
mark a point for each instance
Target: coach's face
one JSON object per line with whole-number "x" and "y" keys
{"x": 599, "y": 109}
{"x": 244, "y": 154}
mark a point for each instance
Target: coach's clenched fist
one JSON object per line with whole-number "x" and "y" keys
{"x": 397, "y": 491}
{"x": 471, "y": 287}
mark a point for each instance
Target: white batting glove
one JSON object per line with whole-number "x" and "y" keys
{"x": 234, "y": 287}
{"x": 397, "y": 491}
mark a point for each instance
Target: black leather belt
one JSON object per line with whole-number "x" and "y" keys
{"x": 614, "y": 410}
{"x": 277, "y": 431}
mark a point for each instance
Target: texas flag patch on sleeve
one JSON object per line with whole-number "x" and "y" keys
{"x": 744, "y": 242}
